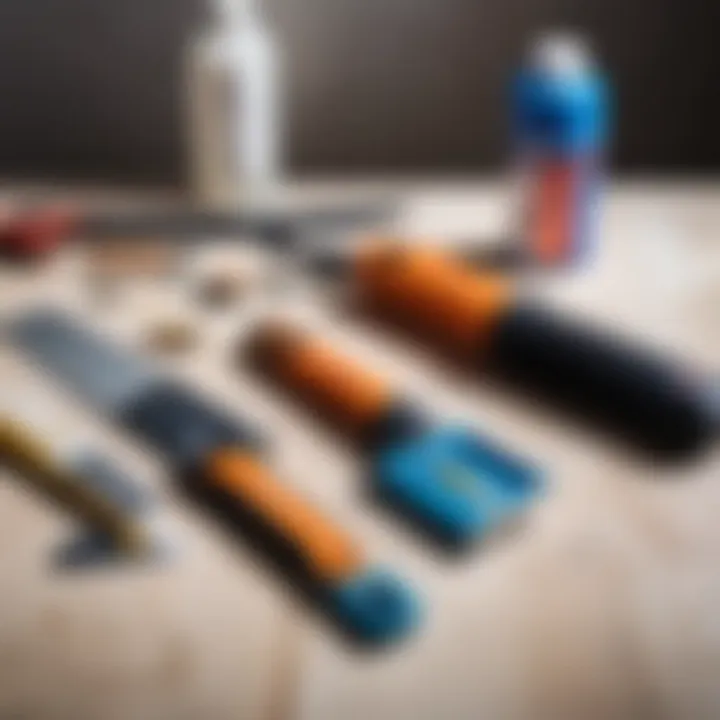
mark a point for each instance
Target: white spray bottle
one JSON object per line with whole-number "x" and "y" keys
{"x": 235, "y": 131}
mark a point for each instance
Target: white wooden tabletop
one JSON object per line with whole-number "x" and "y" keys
{"x": 604, "y": 604}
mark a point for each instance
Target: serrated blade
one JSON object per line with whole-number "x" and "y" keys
{"x": 87, "y": 364}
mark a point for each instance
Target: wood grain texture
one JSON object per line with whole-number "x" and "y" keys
{"x": 603, "y": 604}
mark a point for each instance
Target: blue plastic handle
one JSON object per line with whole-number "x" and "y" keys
{"x": 377, "y": 606}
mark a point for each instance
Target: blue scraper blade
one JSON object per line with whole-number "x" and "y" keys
{"x": 456, "y": 484}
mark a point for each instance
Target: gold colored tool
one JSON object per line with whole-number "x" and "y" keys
{"x": 35, "y": 462}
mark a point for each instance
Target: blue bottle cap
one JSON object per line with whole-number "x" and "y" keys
{"x": 561, "y": 99}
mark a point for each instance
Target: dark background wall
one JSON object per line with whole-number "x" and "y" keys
{"x": 91, "y": 88}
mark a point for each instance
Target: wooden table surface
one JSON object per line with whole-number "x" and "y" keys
{"x": 605, "y": 604}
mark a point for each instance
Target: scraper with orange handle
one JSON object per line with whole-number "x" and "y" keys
{"x": 225, "y": 457}
{"x": 451, "y": 481}
{"x": 663, "y": 406}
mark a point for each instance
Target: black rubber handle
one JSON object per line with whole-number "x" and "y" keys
{"x": 637, "y": 394}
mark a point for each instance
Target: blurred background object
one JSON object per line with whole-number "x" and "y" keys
{"x": 94, "y": 90}
{"x": 233, "y": 115}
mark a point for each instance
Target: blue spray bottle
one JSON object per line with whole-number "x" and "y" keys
{"x": 560, "y": 109}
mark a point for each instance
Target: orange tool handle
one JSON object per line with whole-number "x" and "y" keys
{"x": 337, "y": 387}
{"x": 326, "y": 550}
{"x": 433, "y": 295}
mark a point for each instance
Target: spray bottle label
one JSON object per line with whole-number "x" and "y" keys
{"x": 561, "y": 208}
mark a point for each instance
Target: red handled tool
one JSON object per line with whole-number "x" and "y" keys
{"x": 36, "y": 233}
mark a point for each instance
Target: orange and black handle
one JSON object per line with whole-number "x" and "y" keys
{"x": 225, "y": 458}
{"x": 354, "y": 400}
{"x": 480, "y": 318}
{"x": 451, "y": 481}
{"x": 330, "y": 555}
{"x": 431, "y": 294}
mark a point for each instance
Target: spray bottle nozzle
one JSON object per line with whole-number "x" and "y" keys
{"x": 231, "y": 11}
{"x": 561, "y": 53}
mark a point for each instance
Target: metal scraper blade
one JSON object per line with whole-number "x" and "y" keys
{"x": 100, "y": 374}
